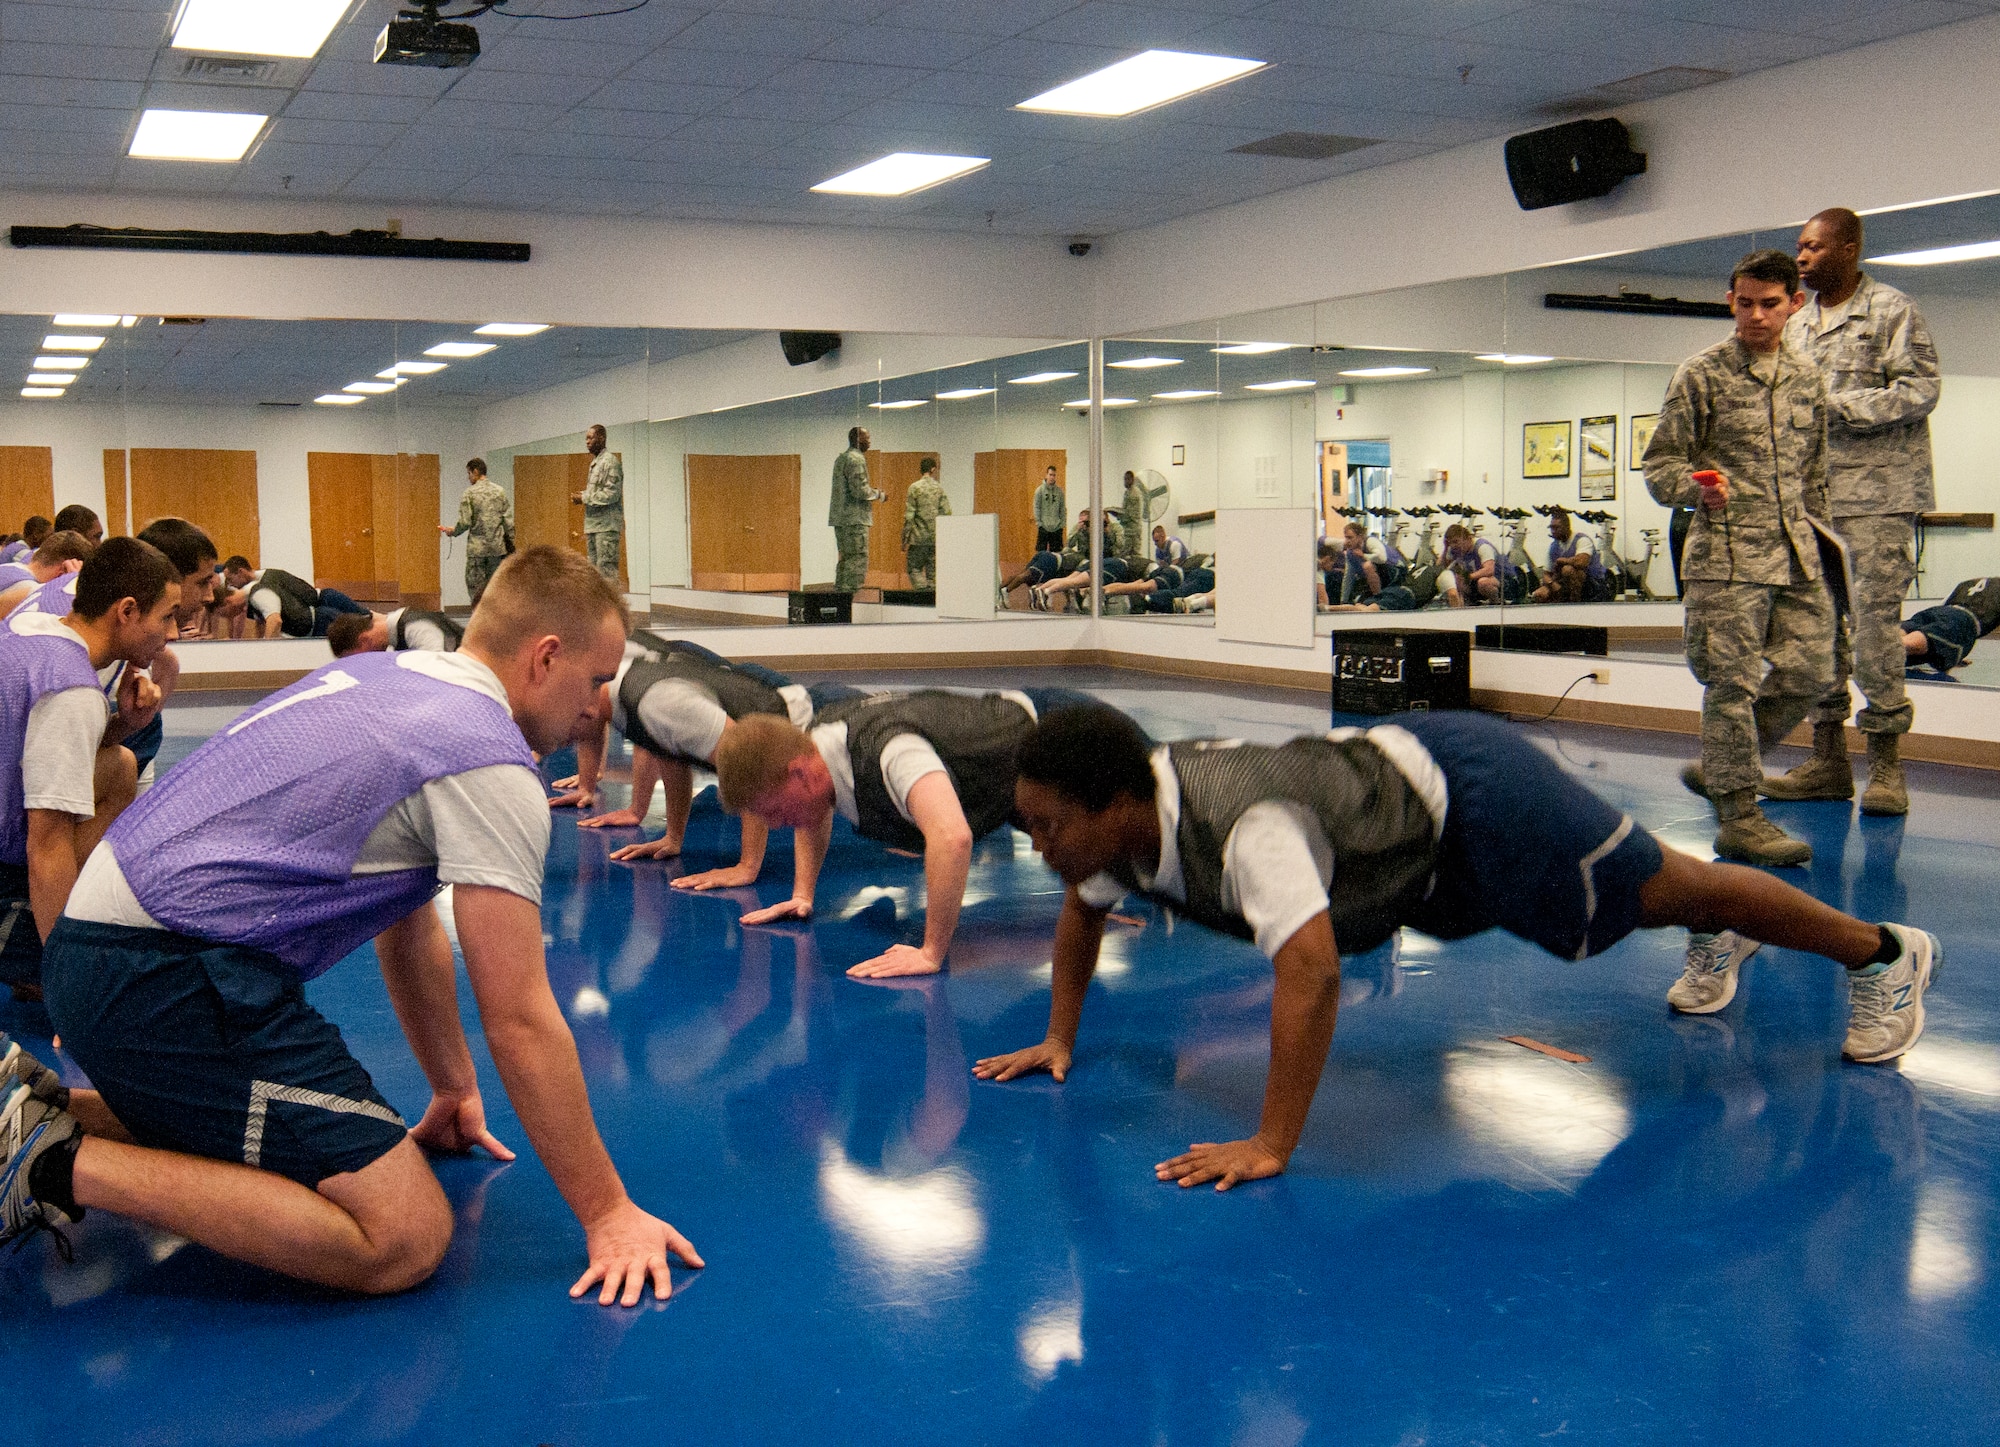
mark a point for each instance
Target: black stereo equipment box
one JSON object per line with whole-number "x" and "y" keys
{"x": 816, "y": 607}
{"x": 1572, "y": 162}
{"x": 910, "y": 597}
{"x": 1392, "y": 670}
{"x": 1544, "y": 637}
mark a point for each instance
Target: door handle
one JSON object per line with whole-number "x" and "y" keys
{"x": 368, "y": 532}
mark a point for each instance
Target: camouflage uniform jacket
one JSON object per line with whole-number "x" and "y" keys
{"x": 604, "y": 495}
{"x": 1769, "y": 440}
{"x": 485, "y": 512}
{"x": 1051, "y": 508}
{"x": 1114, "y": 538}
{"x": 1881, "y": 372}
{"x": 923, "y": 505}
{"x": 852, "y": 503}
{"x": 1134, "y": 523}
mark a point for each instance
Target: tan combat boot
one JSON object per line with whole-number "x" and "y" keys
{"x": 1826, "y": 775}
{"x": 1886, "y": 792}
{"x": 1745, "y": 835}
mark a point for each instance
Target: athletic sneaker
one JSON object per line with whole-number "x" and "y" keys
{"x": 1708, "y": 980}
{"x": 28, "y": 1127}
{"x": 1886, "y": 1010}
{"x": 17, "y": 1066}
{"x": 1037, "y": 599}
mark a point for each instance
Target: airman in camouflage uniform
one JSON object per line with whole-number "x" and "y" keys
{"x": 923, "y": 505}
{"x": 850, "y": 510}
{"x": 1114, "y": 536}
{"x": 1132, "y": 524}
{"x": 1881, "y": 372}
{"x": 603, "y": 499}
{"x": 486, "y": 519}
{"x": 1759, "y": 618}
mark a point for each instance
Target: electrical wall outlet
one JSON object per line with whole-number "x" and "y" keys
{"x": 1600, "y": 675}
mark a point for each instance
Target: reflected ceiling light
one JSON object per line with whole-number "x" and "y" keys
{"x": 372, "y": 389}
{"x": 1539, "y": 1119}
{"x": 1385, "y": 372}
{"x": 459, "y": 349}
{"x": 902, "y": 406}
{"x": 1145, "y": 364}
{"x": 295, "y": 29}
{"x": 959, "y": 394}
{"x": 71, "y": 343}
{"x": 128, "y": 321}
{"x": 1035, "y": 379}
{"x": 1940, "y": 255}
{"x": 84, "y": 319}
{"x": 1108, "y": 401}
{"x": 901, "y": 173}
{"x": 338, "y": 399}
{"x": 74, "y": 364}
{"x": 1512, "y": 359}
{"x": 1181, "y": 396}
{"x": 51, "y": 379}
{"x": 195, "y": 135}
{"x": 41, "y": 391}
{"x": 1251, "y": 349}
{"x": 1290, "y": 384}
{"x": 510, "y": 329}
{"x": 1149, "y": 79}
{"x": 410, "y": 369}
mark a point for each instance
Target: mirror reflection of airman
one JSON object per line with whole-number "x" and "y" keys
{"x": 849, "y": 511}
{"x": 923, "y": 505}
{"x": 1132, "y": 525}
{"x": 486, "y": 520}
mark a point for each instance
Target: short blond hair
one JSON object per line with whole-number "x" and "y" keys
{"x": 538, "y": 591}
{"x": 754, "y": 756}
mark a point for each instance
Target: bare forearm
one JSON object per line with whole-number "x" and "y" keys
{"x": 809, "y": 848}
{"x": 1304, "y": 1006}
{"x": 947, "y": 864}
{"x": 1079, "y": 934}
{"x": 52, "y": 871}
{"x": 679, "y": 779}
{"x": 423, "y": 986}
{"x": 756, "y": 838}
{"x": 537, "y": 1060}
{"x": 590, "y": 751}
{"x": 647, "y": 770}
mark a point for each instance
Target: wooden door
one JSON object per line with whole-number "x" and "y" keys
{"x": 341, "y": 489}
{"x": 890, "y": 472}
{"x": 27, "y": 485}
{"x": 543, "y": 512}
{"x": 1332, "y": 487}
{"x": 743, "y": 521}
{"x": 1004, "y": 483}
{"x": 418, "y": 487}
{"x": 115, "y": 523}
{"x": 213, "y": 488}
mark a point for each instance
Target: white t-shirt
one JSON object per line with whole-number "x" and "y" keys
{"x": 487, "y": 826}
{"x": 420, "y": 635}
{"x": 684, "y": 716}
{"x": 1277, "y": 864}
{"x": 65, "y": 731}
{"x": 264, "y": 602}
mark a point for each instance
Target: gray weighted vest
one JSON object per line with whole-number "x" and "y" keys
{"x": 453, "y": 630}
{"x": 1383, "y": 836}
{"x": 739, "y": 694}
{"x": 296, "y": 600}
{"x": 977, "y": 740}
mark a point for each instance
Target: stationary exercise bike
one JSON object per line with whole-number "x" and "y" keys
{"x": 1422, "y": 564}
{"x": 1514, "y": 527}
{"x": 1642, "y": 573}
{"x": 1617, "y": 572}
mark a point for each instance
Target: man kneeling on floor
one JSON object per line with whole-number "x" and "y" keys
{"x": 226, "y": 1109}
{"x": 1449, "y": 823}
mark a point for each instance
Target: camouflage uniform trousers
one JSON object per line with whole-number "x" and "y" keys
{"x": 603, "y": 551}
{"x": 920, "y": 559}
{"x": 852, "y": 570}
{"x": 1869, "y": 647}
{"x": 1764, "y": 656}
{"x": 479, "y": 569}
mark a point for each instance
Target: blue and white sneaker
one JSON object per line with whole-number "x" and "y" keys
{"x": 29, "y": 1127}
{"x": 17, "y": 1066}
{"x": 1886, "y": 1010}
{"x": 1708, "y": 979}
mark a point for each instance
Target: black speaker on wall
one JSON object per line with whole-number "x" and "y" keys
{"x": 1572, "y": 162}
{"x": 803, "y": 347}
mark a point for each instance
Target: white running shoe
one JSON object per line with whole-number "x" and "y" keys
{"x": 1886, "y": 1009}
{"x": 1708, "y": 979}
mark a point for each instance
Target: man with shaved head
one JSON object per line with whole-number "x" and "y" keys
{"x": 1881, "y": 371}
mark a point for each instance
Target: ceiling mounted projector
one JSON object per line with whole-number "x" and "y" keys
{"x": 419, "y": 37}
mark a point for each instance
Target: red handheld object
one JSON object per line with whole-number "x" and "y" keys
{"x": 1707, "y": 478}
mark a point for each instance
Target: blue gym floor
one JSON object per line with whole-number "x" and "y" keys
{"x": 1712, "y": 1231}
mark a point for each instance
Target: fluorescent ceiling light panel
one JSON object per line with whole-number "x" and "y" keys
{"x": 74, "y": 364}
{"x": 510, "y": 329}
{"x": 51, "y": 379}
{"x": 410, "y": 369}
{"x": 1940, "y": 255}
{"x": 902, "y": 406}
{"x": 194, "y": 135}
{"x": 1146, "y": 80}
{"x": 901, "y": 173}
{"x": 1108, "y": 401}
{"x": 84, "y": 319}
{"x": 1035, "y": 379}
{"x": 371, "y": 389}
{"x": 338, "y": 399}
{"x": 291, "y": 28}
{"x": 1251, "y": 349}
{"x": 56, "y": 342}
{"x": 961, "y": 393}
{"x": 459, "y": 349}
{"x": 1183, "y": 395}
{"x": 128, "y": 321}
{"x": 1385, "y": 372}
{"x": 1512, "y": 359}
{"x": 1290, "y": 384}
{"x": 1145, "y": 364}
{"x": 41, "y": 391}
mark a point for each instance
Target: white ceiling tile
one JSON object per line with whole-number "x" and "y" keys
{"x": 758, "y": 34}
{"x": 926, "y": 48}
{"x": 626, "y": 93}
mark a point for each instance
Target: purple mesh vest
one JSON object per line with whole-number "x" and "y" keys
{"x": 55, "y": 597}
{"x": 14, "y": 551}
{"x": 252, "y": 839}
{"x": 30, "y": 667}
{"x": 12, "y": 575}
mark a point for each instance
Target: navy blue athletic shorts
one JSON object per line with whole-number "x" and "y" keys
{"x": 211, "y": 1050}
{"x": 1049, "y": 700}
{"x": 145, "y": 744}
{"x": 20, "y": 941}
{"x": 1526, "y": 848}
{"x": 824, "y": 695}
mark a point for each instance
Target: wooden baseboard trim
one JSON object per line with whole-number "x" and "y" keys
{"x": 220, "y": 681}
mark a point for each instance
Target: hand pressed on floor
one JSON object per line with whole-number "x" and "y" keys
{"x": 1229, "y": 1163}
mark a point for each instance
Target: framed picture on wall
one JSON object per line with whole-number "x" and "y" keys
{"x": 1642, "y": 436}
{"x": 1180, "y": 454}
{"x": 1545, "y": 449}
{"x": 1597, "y": 471}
